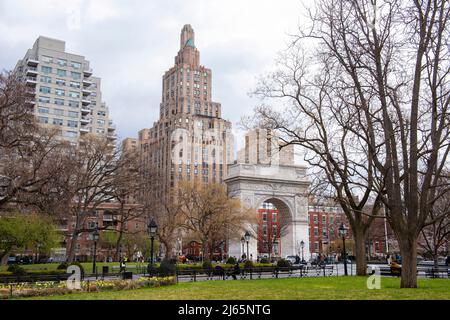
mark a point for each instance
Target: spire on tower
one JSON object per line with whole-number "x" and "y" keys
{"x": 187, "y": 38}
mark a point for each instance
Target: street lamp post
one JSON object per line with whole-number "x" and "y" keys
{"x": 95, "y": 237}
{"x": 152, "y": 229}
{"x": 302, "y": 246}
{"x": 343, "y": 233}
{"x": 243, "y": 242}
{"x": 247, "y": 239}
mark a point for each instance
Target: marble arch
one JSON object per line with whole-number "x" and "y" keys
{"x": 285, "y": 187}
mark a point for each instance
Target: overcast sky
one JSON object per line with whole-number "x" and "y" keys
{"x": 130, "y": 44}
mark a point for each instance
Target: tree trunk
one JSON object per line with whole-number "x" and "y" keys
{"x": 360, "y": 252}
{"x": 4, "y": 258}
{"x": 119, "y": 240}
{"x": 435, "y": 259}
{"x": 408, "y": 251}
{"x": 73, "y": 243}
{"x": 168, "y": 247}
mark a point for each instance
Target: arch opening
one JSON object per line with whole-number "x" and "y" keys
{"x": 274, "y": 229}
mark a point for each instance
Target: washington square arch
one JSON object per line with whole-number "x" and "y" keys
{"x": 271, "y": 187}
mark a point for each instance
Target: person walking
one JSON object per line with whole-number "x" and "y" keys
{"x": 122, "y": 265}
{"x": 388, "y": 259}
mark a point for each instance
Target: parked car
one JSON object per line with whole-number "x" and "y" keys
{"x": 12, "y": 260}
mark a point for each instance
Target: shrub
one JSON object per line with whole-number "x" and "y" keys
{"x": 17, "y": 270}
{"x": 264, "y": 260}
{"x": 207, "y": 265}
{"x": 167, "y": 268}
{"x": 283, "y": 263}
{"x": 63, "y": 266}
{"x": 248, "y": 264}
{"x": 231, "y": 260}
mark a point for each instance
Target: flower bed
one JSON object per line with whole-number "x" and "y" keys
{"x": 59, "y": 288}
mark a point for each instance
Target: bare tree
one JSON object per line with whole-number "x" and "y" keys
{"x": 331, "y": 134}
{"x": 31, "y": 157}
{"x": 394, "y": 56}
{"x": 390, "y": 63}
{"x": 126, "y": 184}
{"x": 92, "y": 169}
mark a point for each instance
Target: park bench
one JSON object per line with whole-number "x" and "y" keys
{"x": 440, "y": 272}
{"x": 317, "y": 271}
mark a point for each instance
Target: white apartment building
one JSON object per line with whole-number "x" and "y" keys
{"x": 67, "y": 95}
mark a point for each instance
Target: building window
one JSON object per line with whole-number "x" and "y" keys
{"x": 43, "y": 110}
{"x": 74, "y": 104}
{"x": 316, "y": 219}
{"x": 316, "y": 231}
{"x": 44, "y": 99}
{"x": 101, "y": 122}
{"x": 75, "y": 84}
{"x": 62, "y": 62}
{"x": 46, "y": 79}
{"x": 60, "y": 82}
{"x": 61, "y": 72}
{"x": 58, "y": 122}
{"x": 75, "y": 65}
{"x": 74, "y": 94}
{"x": 45, "y": 90}
{"x": 76, "y": 75}
{"x": 47, "y": 59}
{"x": 60, "y": 92}
{"x": 59, "y": 102}
{"x": 43, "y": 119}
{"x": 70, "y": 134}
{"x": 73, "y": 114}
{"x": 46, "y": 70}
{"x": 59, "y": 112}
{"x": 72, "y": 123}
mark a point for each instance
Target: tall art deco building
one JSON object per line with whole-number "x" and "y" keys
{"x": 190, "y": 141}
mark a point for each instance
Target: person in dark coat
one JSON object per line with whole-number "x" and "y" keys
{"x": 447, "y": 261}
{"x": 236, "y": 271}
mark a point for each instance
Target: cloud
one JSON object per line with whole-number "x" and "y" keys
{"x": 130, "y": 44}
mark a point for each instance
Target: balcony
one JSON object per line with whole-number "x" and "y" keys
{"x": 31, "y": 81}
{"x": 32, "y": 71}
{"x": 111, "y": 136}
{"x": 86, "y": 92}
{"x": 85, "y": 120}
{"x": 85, "y": 110}
{"x": 87, "y": 72}
{"x": 30, "y": 92}
{"x": 32, "y": 62}
{"x": 85, "y": 102}
{"x": 87, "y": 83}
{"x": 112, "y": 127}
{"x": 84, "y": 130}
{"x": 31, "y": 103}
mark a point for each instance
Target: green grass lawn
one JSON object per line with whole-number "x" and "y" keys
{"x": 331, "y": 288}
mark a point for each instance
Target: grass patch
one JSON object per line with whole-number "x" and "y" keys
{"x": 330, "y": 288}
